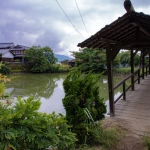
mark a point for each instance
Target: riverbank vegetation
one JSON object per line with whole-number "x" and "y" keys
{"x": 36, "y": 60}
{"x": 95, "y": 60}
{"x": 39, "y": 60}
{"x": 42, "y": 60}
{"x": 122, "y": 71}
{"x": 23, "y": 127}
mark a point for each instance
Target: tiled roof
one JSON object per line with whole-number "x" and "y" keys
{"x": 132, "y": 31}
{"x": 16, "y": 49}
{"x": 21, "y": 46}
{"x": 73, "y": 60}
{"x": 6, "y": 45}
{"x": 3, "y": 51}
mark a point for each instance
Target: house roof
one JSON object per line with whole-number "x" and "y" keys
{"x": 21, "y": 46}
{"x": 73, "y": 60}
{"x": 11, "y": 48}
{"x": 17, "y": 49}
{"x": 6, "y": 45}
{"x": 3, "y": 51}
{"x": 132, "y": 31}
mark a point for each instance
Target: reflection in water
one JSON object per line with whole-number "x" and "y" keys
{"x": 104, "y": 86}
{"x": 46, "y": 87}
{"x": 55, "y": 103}
{"x": 49, "y": 89}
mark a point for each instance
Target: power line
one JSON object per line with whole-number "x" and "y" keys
{"x": 81, "y": 17}
{"x": 69, "y": 19}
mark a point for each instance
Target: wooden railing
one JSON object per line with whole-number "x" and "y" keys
{"x": 137, "y": 77}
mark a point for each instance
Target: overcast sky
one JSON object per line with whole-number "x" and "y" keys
{"x": 42, "y": 22}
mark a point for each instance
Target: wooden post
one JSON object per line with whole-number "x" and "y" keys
{"x": 124, "y": 91}
{"x": 132, "y": 70}
{"x": 110, "y": 81}
{"x": 149, "y": 63}
{"x": 143, "y": 65}
{"x": 139, "y": 76}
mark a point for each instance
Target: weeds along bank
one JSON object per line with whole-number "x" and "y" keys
{"x": 8, "y": 68}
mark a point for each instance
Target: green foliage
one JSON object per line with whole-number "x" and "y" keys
{"x": 136, "y": 60}
{"x": 147, "y": 141}
{"x": 17, "y": 60}
{"x": 57, "y": 68}
{"x": 64, "y": 62}
{"x": 39, "y": 59}
{"x": 126, "y": 70}
{"x": 116, "y": 62}
{"x": 16, "y": 67}
{"x": 90, "y": 59}
{"x": 125, "y": 58}
{"x": 95, "y": 60}
{"x": 48, "y": 52}
{"x": 2, "y": 89}
{"x": 3, "y": 95}
{"x": 82, "y": 92}
{"x": 4, "y": 69}
{"x": 23, "y": 127}
{"x": 106, "y": 137}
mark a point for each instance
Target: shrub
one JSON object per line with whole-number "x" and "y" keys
{"x": 147, "y": 141}
{"x": 17, "y": 60}
{"x": 17, "y": 67}
{"x": 38, "y": 59}
{"x": 54, "y": 68}
{"x": 4, "y": 69}
{"x": 82, "y": 93}
{"x": 106, "y": 137}
{"x": 123, "y": 71}
{"x": 23, "y": 127}
{"x": 57, "y": 68}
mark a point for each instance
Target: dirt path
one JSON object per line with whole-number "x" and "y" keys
{"x": 133, "y": 139}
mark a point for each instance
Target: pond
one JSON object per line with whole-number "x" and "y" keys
{"x": 49, "y": 89}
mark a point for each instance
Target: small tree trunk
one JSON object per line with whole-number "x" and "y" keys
{"x": 8, "y": 148}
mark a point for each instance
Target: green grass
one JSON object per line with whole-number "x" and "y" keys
{"x": 104, "y": 138}
{"x": 147, "y": 142}
{"x": 122, "y": 70}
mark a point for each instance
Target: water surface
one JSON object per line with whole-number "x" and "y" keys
{"x": 49, "y": 89}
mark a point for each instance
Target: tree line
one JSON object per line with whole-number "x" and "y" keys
{"x": 43, "y": 60}
{"x": 94, "y": 59}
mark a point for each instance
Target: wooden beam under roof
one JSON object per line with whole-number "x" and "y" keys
{"x": 143, "y": 42}
{"x": 137, "y": 24}
{"x": 108, "y": 41}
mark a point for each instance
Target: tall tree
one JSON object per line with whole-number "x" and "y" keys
{"x": 125, "y": 58}
{"x": 39, "y": 59}
{"x": 90, "y": 59}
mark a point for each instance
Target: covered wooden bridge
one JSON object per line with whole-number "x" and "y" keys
{"x": 129, "y": 32}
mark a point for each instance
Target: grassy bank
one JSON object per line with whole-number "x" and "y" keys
{"x": 123, "y": 71}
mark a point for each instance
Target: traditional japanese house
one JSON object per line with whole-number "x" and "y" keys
{"x": 9, "y": 52}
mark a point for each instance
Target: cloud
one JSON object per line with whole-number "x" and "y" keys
{"x": 39, "y": 22}
{"x": 51, "y": 38}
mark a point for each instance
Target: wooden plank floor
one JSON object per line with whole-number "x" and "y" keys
{"x": 136, "y": 108}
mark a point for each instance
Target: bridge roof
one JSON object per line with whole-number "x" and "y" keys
{"x": 131, "y": 31}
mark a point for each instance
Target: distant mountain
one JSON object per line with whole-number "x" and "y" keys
{"x": 62, "y": 57}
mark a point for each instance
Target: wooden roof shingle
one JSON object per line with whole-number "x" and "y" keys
{"x": 132, "y": 30}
